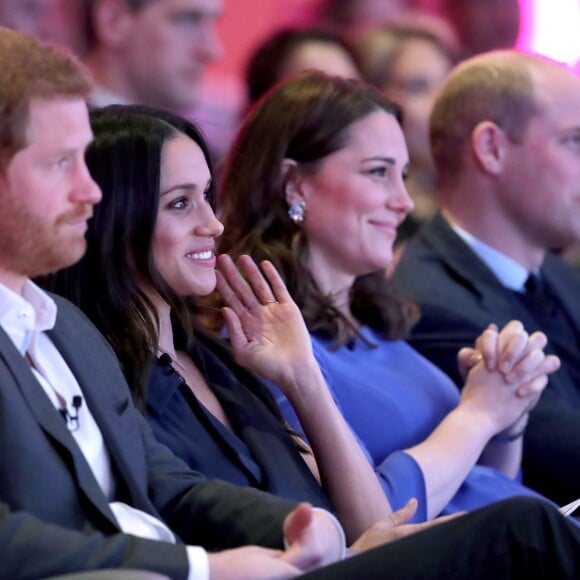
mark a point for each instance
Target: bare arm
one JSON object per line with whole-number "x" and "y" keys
{"x": 270, "y": 338}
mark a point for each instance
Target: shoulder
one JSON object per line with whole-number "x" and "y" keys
{"x": 73, "y": 326}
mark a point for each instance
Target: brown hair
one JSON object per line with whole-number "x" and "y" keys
{"x": 31, "y": 70}
{"x": 498, "y": 88}
{"x": 305, "y": 119}
{"x": 378, "y": 49}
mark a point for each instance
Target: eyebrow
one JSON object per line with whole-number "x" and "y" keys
{"x": 190, "y": 186}
{"x": 389, "y": 160}
{"x": 178, "y": 187}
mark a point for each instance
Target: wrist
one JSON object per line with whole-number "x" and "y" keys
{"x": 305, "y": 385}
{"x": 474, "y": 421}
{"x": 514, "y": 432}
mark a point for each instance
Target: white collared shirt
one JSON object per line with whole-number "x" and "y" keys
{"x": 509, "y": 272}
{"x": 26, "y": 319}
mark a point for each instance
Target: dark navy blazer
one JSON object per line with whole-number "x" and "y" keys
{"x": 459, "y": 296}
{"x": 259, "y": 453}
{"x": 54, "y": 518}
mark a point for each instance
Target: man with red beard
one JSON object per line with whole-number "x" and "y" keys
{"x": 84, "y": 485}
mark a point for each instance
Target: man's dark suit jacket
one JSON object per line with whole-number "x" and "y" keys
{"x": 459, "y": 296}
{"x": 54, "y": 517}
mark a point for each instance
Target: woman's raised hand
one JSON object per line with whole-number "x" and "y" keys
{"x": 266, "y": 328}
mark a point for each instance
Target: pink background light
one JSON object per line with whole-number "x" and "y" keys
{"x": 551, "y": 28}
{"x": 548, "y": 27}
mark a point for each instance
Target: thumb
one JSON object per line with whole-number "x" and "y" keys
{"x": 296, "y": 522}
{"x": 403, "y": 515}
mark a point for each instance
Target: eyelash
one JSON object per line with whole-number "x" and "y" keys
{"x": 378, "y": 171}
{"x": 184, "y": 202}
{"x": 179, "y": 204}
{"x": 63, "y": 162}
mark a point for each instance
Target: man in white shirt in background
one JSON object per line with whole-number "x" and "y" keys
{"x": 152, "y": 52}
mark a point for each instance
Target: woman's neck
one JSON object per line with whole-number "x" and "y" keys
{"x": 165, "y": 342}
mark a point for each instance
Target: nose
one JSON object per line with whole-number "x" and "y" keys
{"x": 210, "y": 46}
{"x": 211, "y": 226}
{"x": 85, "y": 190}
{"x": 401, "y": 201}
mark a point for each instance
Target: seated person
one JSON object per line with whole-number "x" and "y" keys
{"x": 84, "y": 484}
{"x": 156, "y": 229}
{"x": 408, "y": 63}
{"x": 321, "y": 197}
{"x": 509, "y": 184}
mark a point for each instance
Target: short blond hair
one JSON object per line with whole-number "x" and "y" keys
{"x": 497, "y": 87}
{"x": 31, "y": 70}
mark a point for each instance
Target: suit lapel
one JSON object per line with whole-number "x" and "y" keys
{"x": 51, "y": 422}
{"x": 565, "y": 283}
{"x": 471, "y": 272}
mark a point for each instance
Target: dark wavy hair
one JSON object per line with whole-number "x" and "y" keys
{"x": 125, "y": 160}
{"x": 266, "y": 65}
{"x": 305, "y": 119}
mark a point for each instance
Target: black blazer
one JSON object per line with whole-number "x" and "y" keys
{"x": 53, "y": 516}
{"x": 459, "y": 296}
{"x": 260, "y": 452}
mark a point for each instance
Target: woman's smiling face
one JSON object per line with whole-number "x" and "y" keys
{"x": 186, "y": 229}
{"x": 355, "y": 201}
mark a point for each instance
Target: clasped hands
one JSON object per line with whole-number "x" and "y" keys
{"x": 505, "y": 374}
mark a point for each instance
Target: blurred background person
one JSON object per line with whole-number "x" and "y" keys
{"x": 409, "y": 63}
{"x": 152, "y": 52}
{"x": 483, "y": 26}
{"x": 291, "y": 50}
{"x": 61, "y": 22}
{"x": 285, "y": 52}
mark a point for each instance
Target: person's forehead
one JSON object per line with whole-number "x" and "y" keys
{"x": 206, "y": 7}
{"x": 557, "y": 91}
{"x": 13, "y": 11}
{"x": 59, "y": 121}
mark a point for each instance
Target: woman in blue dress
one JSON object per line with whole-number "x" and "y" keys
{"x": 315, "y": 183}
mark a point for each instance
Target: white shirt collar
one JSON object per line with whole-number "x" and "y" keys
{"x": 509, "y": 272}
{"x": 102, "y": 97}
{"x": 21, "y": 316}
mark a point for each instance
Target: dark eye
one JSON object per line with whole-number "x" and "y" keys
{"x": 179, "y": 203}
{"x": 188, "y": 19}
{"x": 573, "y": 140}
{"x": 63, "y": 162}
{"x": 416, "y": 86}
{"x": 379, "y": 171}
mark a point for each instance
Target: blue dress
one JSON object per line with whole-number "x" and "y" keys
{"x": 393, "y": 398}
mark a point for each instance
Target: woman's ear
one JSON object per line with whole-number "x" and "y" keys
{"x": 291, "y": 178}
{"x": 488, "y": 142}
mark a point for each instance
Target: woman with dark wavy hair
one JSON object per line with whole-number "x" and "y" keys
{"x": 315, "y": 184}
{"x": 150, "y": 253}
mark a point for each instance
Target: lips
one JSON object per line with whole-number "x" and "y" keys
{"x": 387, "y": 227}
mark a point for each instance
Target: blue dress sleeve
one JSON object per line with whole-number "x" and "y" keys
{"x": 399, "y": 474}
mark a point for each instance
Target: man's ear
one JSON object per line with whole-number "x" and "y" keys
{"x": 488, "y": 144}
{"x": 293, "y": 182}
{"x": 112, "y": 21}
